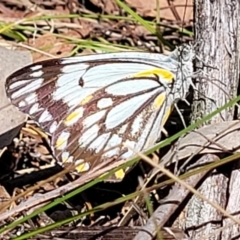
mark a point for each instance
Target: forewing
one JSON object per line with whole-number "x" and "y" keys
{"x": 47, "y": 90}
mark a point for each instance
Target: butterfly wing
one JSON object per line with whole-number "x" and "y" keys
{"x": 92, "y": 103}
{"x": 46, "y": 90}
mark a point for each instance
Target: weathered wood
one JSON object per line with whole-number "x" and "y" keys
{"x": 217, "y": 24}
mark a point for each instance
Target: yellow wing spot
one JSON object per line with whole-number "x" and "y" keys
{"x": 74, "y": 117}
{"x": 168, "y": 76}
{"x": 166, "y": 115}
{"x": 158, "y": 102}
{"x": 116, "y": 177}
{"x": 66, "y": 157}
{"x": 86, "y": 99}
{"x": 119, "y": 175}
{"x": 59, "y": 143}
{"x": 62, "y": 140}
{"x": 82, "y": 167}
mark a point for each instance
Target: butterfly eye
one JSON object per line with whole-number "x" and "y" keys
{"x": 186, "y": 53}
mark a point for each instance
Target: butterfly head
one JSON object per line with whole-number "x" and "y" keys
{"x": 184, "y": 53}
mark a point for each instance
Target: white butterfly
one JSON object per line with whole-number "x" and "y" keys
{"x": 92, "y": 103}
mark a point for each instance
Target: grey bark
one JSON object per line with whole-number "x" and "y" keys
{"x": 217, "y": 35}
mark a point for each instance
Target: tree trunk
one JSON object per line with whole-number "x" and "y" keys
{"x": 218, "y": 38}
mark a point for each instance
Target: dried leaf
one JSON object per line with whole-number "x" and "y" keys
{"x": 51, "y": 45}
{"x": 108, "y": 6}
{"x": 171, "y": 10}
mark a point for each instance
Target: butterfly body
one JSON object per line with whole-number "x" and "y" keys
{"x": 105, "y": 101}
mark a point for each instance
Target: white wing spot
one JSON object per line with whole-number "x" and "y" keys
{"x": 28, "y": 87}
{"x": 36, "y": 67}
{"x": 111, "y": 153}
{"x": 99, "y": 143}
{"x": 17, "y": 84}
{"x": 53, "y": 127}
{"x": 62, "y": 140}
{"x": 35, "y": 108}
{"x": 129, "y": 153}
{"x": 45, "y": 117}
{"x": 22, "y": 104}
{"x": 36, "y": 74}
{"x": 74, "y": 68}
{"x": 74, "y": 116}
{"x": 104, "y": 103}
{"x": 131, "y": 87}
{"x": 113, "y": 143}
{"x": 32, "y": 98}
{"x": 92, "y": 119}
{"x": 122, "y": 130}
{"x": 65, "y": 157}
{"x": 67, "y": 88}
{"x": 136, "y": 125}
{"x": 88, "y": 136}
{"x": 81, "y": 166}
{"x": 118, "y": 114}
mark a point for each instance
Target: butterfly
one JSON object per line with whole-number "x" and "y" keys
{"x": 93, "y": 103}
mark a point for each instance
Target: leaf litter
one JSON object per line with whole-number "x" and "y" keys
{"x": 49, "y": 29}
